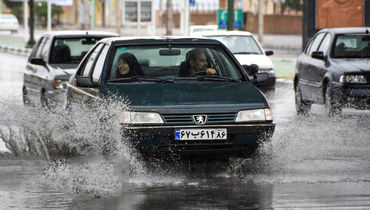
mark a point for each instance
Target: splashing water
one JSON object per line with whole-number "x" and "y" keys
{"x": 83, "y": 130}
{"x": 312, "y": 149}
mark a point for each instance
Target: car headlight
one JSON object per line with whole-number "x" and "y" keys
{"x": 254, "y": 115}
{"x": 59, "y": 84}
{"x": 141, "y": 118}
{"x": 352, "y": 79}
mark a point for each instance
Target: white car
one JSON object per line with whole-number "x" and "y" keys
{"x": 9, "y": 22}
{"x": 200, "y": 29}
{"x": 248, "y": 51}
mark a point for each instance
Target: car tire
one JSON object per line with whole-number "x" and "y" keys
{"x": 44, "y": 100}
{"x": 302, "y": 106}
{"x": 332, "y": 105}
{"x": 26, "y": 101}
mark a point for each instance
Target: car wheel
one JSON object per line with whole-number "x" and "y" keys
{"x": 301, "y": 105}
{"x": 26, "y": 101}
{"x": 44, "y": 100}
{"x": 332, "y": 105}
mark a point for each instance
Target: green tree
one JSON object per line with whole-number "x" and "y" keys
{"x": 296, "y": 5}
{"x": 41, "y": 12}
{"x": 16, "y": 8}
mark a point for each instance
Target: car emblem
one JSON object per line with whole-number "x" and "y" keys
{"x": 200, "y": 119}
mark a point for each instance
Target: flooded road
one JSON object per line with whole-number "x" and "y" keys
{"x": 313, "y": 162}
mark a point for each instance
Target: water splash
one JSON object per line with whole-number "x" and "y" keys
{"x": 83, "y": 130}
{"x": 97, "y": 178}
{"x": 311, "y": 149}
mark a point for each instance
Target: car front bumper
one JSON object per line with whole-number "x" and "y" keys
{"x": 242, "y": 139}
{"x": 355, "y": 96}
{"x": 55, "y": 97}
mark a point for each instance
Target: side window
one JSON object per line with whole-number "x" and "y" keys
{"x": 91, "y": 60}
{"x": 36, "y": 47}
{"x": 45, "y": 50}
{"x": 309, "y": 46}
{"x": 324, "y": 46}
{"x": 99, "y": 64}
{"x": 316, "y": 43}
{"x": 39, "y": 50}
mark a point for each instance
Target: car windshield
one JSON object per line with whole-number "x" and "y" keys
{"x": 71, "y": 50}
{"x": 174, "y": 62}
{"x": 239, "y": 44}
{"x": 352, "y": 46}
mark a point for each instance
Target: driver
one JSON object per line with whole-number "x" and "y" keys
{"x": 196, "y": 63}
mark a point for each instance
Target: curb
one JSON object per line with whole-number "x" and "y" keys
{"x": 14, "y": 50}
{"x": 284, "y": 77}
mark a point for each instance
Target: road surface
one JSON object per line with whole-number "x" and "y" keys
{"x": 312, "y": 162}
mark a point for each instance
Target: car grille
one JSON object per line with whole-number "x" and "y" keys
{"x": 367, "y": 76}
{"x": 187, "y": 119}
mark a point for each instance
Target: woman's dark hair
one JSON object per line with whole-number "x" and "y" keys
{"x": 130, "y": 59}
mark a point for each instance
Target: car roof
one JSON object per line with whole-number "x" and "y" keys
{"x": 204, "y": 26}
{"x": 72, "y": 33}
{"x": 226, "y": 33}
{"x": 161, "y": 40}
{"x": 345, "y": 30}
{"x": 7, "y": 15}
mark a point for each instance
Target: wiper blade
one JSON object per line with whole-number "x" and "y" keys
{"x": 246, "y": 53}
{"x": 135, "y": 79}
{"x": 216, "y": 78}
{"x": 242, "y": 52}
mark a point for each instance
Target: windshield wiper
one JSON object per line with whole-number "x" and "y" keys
{"x": 216, "y": 78}
{"x": 135, "y": 79}
{"x": 245, "y": 53}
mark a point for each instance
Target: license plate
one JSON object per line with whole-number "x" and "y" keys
{"x": 201, "y": 134}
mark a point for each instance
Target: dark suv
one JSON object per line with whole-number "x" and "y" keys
{"x": 53, "y": 59}
{"x": 334, "y": 70}
{"x": 219, "y": 113}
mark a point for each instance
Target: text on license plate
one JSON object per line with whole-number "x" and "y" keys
{"x": 201, "y": 134}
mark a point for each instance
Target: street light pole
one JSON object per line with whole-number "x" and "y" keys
{"x": 230, "y": 15}
{"x": 49, "y": 15}
{"x": 31, "y": 40}
{"x": 260, "y": 20}
{"x": 169, "y": 18}
{"x": 25, "y": 19}
{"x": 118, "y": 17}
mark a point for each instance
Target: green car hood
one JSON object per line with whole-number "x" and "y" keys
{"x": 203, "y": 94}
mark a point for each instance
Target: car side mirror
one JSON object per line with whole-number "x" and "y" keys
{"x": 37, "y": 61}
{"x": 85, "y": 82}
{"x": 269, "y": 52}
{"x": 251, "y": 69}
{"x": 318, "y": 54}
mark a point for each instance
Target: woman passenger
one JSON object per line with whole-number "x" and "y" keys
{"x": 128, "y": 66}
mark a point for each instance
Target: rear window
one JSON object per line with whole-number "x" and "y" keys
{"x": 8, "y": 18}
{"x": 168, "y": 62}
{"x": 239, "y": 44}
{"x": 71, "y": 50}
{"x": 352, "y": 46}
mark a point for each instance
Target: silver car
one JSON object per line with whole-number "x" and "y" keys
{"x": 9, "y": 22}
{"x": 53, "y": 59}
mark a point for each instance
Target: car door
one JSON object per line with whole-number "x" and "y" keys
{"x": 35, "y": 74}
{"x": 92, "y": 66}
{"x": 319, "y": 69}
{"x": 307, "y": 64}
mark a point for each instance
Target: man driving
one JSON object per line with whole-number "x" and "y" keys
{"x": 196, "y": 64}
